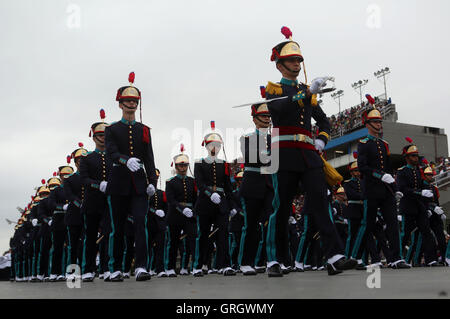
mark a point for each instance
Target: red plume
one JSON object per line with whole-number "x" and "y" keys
{"x": 43, "y": 182}
{"x": 370, "y": 99}
{"x": 80, "y": 144}
{"x": 286, "y": 32}
{"x": 242, "y": 166}
{"x": 182, "y": 148}
{"x": 408, "y": 139}
{"x": 68, "y": 158}
{"x": 355, "y": 155}
{"x": 263, "y": 91}
{"x": 424, "y": 160}
{"x": 131, "y": 77}
{"x": 213, "y": 125}
{"x": 54, "y": 174}
{"x": 171, "y": 164}
{"x": 102, "y": 114}
{"x": 90, "y": 133}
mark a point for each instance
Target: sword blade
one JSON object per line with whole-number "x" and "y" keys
{"x": 261, "y": 101}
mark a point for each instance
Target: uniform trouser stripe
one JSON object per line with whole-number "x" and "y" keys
{"x": 349, "y": 238}
{"x": 244, "y": 233}
{"x": 447, "y": 251}
{"x": 147, "y": 248}
{"x": 260, "y": 246}
{"x": 183, "y": 261}
{"x": 83, "y": 262}
{"x": 302, "y": 239}
{"x": 402, "y": 235}
{"x": 111, "y": 238}
{"x": 69, "y": 248}
{"x": 166, "y": 262}
{"x": 411, "y": 246}
{"x": 197, "y": 244}
{"x": 50, "y": 257}
{"x": 125, "y": 251}
{"x": 418, "y": 248}
{"x": 270, "y": 239}
{"x": 362, "y": 230}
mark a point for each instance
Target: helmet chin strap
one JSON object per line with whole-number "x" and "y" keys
{"x": 293, "y": 72}
{"x": 261, "y": 121}
{"x": 379, "y": 131}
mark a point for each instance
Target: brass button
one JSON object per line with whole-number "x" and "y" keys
{"x": 131, "y": 147}
{"x": 131, "y": 153}
{"x": 131, "y": 132}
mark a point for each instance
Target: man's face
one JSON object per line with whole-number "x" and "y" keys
{"x": 213, "y": 148}
{"x": 340, "y": 197}
{"x": 262, "y": 121}
{"x": 128, "y": 105}
{"x": 356, "y": 174}
{"x": 99, "y": 139}
{"x": 428, "y": 177}
{"x": 181, "y": 168}
{"x": 413, "y": 159}
{"x": 290, "y": 65}
{"x": 374, "y": 127}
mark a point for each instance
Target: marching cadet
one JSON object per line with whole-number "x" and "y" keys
{"x": 74, "y": 191}
{"x": 156, "y": 226}
{"x": 412, "y": 204}
{"x": 353, "y": 213}
{"x": 56, "y": 203}
{"x": 181, "y": 192}
{"x": 44, "y": 214}
{"x": 236, "y": 222}
{"x": 94, "y": 170}
{"x": 35, "y": 236}
{"x": 338, "y": 205}
{"x": 378, "y": 187}
{"x": 131, "y": 181}
{"x": 298, "y": 159}
{"x": 256, "y": 191}
{"x": 435, "y": 212}
{"x": 212, "y": 177}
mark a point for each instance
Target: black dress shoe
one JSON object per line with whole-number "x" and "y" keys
{"x": 433, "y": 264}
{"x": 118, "y": 278}
{"x": 198, "y": 274}
{"x": 275, "y": 271}
{"x": 260, "y": 270}
{"x": 332, "y": 270}
{"x": 142, "y": 276}
{"x": 229, "y": 272}
{"x": 361, "y": 267}
{"x": 285, "y": 271}
{"x": 345, "y": 264}
{"x": 401, "y": 265}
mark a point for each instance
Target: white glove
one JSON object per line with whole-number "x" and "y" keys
{"x": 398, "y": 195}
{"x": 160, "y": 213}
{"x": 50, "y": 222}
{"x": 427, "y": 193}
{"x": 387, "y": 178}
{"x": 133, "y": 164}
{"x": 429, "y": 213}
{"x": 292, "y": 220}
{"x": 102, "y": 186}
{"x": 215, "y": 198}
{"x": 233, "y": 212}
{"x": 318, "y": 83}
{"x": 334, "y": 211}
{"x": 399, "y": 218}
{"x": 151, "y": 190}
{"x": 345, "y": 221}
{"x": 319, "y": 144}
{"x": 65, "y": 207}
{"x": 443, "y": 217}
{"x": 438, "y": 210}
{"x": 328, "y": 192}
{"x": 187, "y": 212}
{"x": 34, "y": 222}
{"x": 384, "y": 227}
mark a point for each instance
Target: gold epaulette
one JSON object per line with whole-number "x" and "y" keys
{"x": 400, "y": 168}
{"x": 314, "y": 100}
{"x": 274, "y": 88}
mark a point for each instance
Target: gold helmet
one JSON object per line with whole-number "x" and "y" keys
{"x": 353, "y": 166}
{"x": 372, "y": 114}
{"x": 340, "y": 191}
{"x": 79, "y": 152}
{"x": 213, "y": 136}
{"x": 129, "y": 91}
{"x": 43, "y": 190}
{"x": 65, "y": 170}
{"x": 410, "y": 149}
{"x": 54, "y": 181}
{"x": 98, "y": 128}
{"x": 428, "y": 171}
{"x": 180, "y": 158}
{"x": 287, "y": 48}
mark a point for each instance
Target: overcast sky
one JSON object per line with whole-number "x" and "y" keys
{"x": 61, "y": 61}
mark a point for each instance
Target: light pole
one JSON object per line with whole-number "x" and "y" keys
{"x": 359, "y": 85}
{"x": 337, "y": 95}
{"x": 382, "y": 73}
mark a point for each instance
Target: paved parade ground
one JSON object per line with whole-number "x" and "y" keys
{"x": 421, "y": 283}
